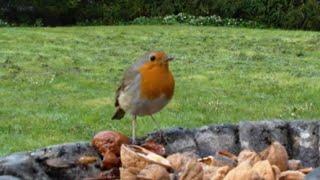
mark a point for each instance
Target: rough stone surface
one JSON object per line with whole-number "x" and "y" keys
{"x": 65, "y": 164}
{"x": 21, "y": 165}
{"x": 55, "y": 162}
{"x": 305, "y": 142}
{"x": 9, "y": 178}
{"x": 259, "y": 135}
{"x": 211, "y": 139}
{"x": 175, "y": 140}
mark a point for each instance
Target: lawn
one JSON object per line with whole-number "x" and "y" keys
{"x": 57, "y": 84}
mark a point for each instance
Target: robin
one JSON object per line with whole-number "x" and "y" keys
{"x": 147, "y": 86}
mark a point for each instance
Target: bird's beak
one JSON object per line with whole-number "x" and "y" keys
{"x": 170, "y": 58}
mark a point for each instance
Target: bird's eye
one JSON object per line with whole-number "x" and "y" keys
{"x": 152, "y": 58}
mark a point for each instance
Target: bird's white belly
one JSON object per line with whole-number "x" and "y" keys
{"x": 140, "y": 106}
{"x": 147, "y": 107}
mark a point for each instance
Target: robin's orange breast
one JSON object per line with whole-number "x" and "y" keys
{"x": 156, "y": 81}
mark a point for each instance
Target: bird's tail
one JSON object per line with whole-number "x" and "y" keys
{"x": 118, "y": 114}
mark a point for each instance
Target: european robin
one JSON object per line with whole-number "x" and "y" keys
{"x": 146, "y": 87}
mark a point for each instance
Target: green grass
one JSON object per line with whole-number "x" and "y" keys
{"x": 57, "y": 84}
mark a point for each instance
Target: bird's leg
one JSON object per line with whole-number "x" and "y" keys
{"x": 159, "y": 129}
{"x": 133, "y": 129}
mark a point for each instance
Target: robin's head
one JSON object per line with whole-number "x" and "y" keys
{"x": 158, "y": 57}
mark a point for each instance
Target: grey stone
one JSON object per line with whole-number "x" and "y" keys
{"x": 9, "y": 178}
{"x": 68, "y": 150}
{"x": 313, "y": 175}
{"x": 211, "y": 139}
{"x": 55, "y": 162}
{"x": 21, "y": 165}
{"x": 61, "y": 161}
{"x": 259, "y": 135}
{"x": 175, "y": 140}
{"x": 305, "y": 138}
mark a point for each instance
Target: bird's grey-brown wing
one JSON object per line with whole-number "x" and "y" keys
{"x": 127, "y": 80}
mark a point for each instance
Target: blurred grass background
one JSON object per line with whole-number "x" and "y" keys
{"x": 57, "y": 84}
